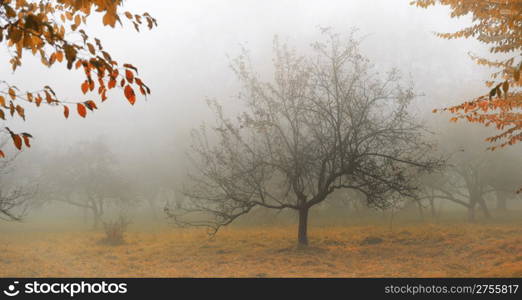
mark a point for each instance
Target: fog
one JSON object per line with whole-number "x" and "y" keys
{"x": 137, "y": 157}
{"x": 186, "y": 60}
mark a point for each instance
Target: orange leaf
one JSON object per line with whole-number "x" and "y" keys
{"x": 12, "y": 93}
{"x": 17, "y": 140}
{"x": 27, "y": 141}
{"x": 85, "y": 87}
{"x": 59, "y": 56}
{"x": 81, "y": 110}
{"x": 129, "y": 76}
{"x": 2, "y": 155}
{"x": 52, "y": 59}
{"x": 20, "y": 111}
{"x": 112, "y": 83}
{"x": 109, "y": 19}
{"x": 90, "y": 105}
{"x": 130, "y": 95}
{"x": 66, "y": 111}
{"x": 131, "y": 67}
{"x": 48, "y": 97}
{"x": 142, "y": 91}
{"x": 38, "y": 100}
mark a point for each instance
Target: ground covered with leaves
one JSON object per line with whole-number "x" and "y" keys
{"x": 421, "y": 250}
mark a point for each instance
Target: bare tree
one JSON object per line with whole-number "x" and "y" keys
{"x": 14, "y": 194}
{"x": 466, "y": 185}
{"x": 473, "y": 174}
{"x": 115, "y": 230}
{"x": 504, "y": 175}
{"x": 14, "y": 201}
{"x": 86, "y": 177}
{"x": 326, "y": 122}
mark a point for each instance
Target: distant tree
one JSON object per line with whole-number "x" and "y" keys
{"x": 467, "y": 185}
{"x": 472, "y": 175}
{"x": 503, "y": 176}
{"x": 497, "y": 24}
{"x": 469, "y": 181}
{"x": 54, "y": 31}
{"x": 164, "y": 179}
{"x": 14, "y": 195}
{"x": 430, "y": 185}
{"x": 86, "y": 177}
{"x": 326, "y": 122}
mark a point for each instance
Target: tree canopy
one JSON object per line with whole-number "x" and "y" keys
{"x": 53, "y": 31}
{"x": 497, "y": 23}
{"x": 326, "y": 122}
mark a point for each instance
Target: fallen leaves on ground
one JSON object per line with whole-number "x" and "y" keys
{"x": 425, "y": 250}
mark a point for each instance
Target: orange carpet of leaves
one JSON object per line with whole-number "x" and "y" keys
{"x": 423, "y": 250}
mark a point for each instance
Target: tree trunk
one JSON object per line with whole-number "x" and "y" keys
{"x": 97, "y": 212}
{"x": 85, "y": 213}
{"x": 484, "y": 208}
{"x": 501, "y": 201}
{"x": 96, "y": 218}
{"x": 432, "y": 207}
{"x": 302, "y": 233}
{"x": 421, "y": 210}
{"x": 152, "y": 206}
{"x": 471, "y": 211}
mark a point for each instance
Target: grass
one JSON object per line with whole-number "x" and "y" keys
{"x": 415, "y": 250}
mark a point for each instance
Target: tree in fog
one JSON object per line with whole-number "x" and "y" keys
{"x": 14, "y": 199}
{"x": 326, "y": 122}
{"x": 14, "y": 194}
{"x": 497, "y": 25}
{"x": 472, "y": 175}
{"x": 55, "y": 31}
{"x": 86, "y": 177}
{"x": 163, "y": 177}
{"x": 504, "y": 175}
{"x": 466, "y": 184}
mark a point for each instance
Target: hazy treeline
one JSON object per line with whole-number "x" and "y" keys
{"x": 142, "y": 161}
{"x": 94, "y": 181}
{"x": 87, "y": 181}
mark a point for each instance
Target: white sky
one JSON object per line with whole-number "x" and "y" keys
{"x": 184, "y": 60}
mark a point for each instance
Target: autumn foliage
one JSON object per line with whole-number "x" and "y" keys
{"x": 53, "y": 31}
{"x": 497, "y": 24}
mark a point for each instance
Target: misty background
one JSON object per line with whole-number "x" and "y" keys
{"x": 185, "y": 61}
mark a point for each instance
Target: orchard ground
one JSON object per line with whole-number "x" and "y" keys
{"x": 408, "y": 249}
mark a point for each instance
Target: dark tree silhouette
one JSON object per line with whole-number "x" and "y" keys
{"x": 14, "y": 196}
{"x": 326, "y": 122}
